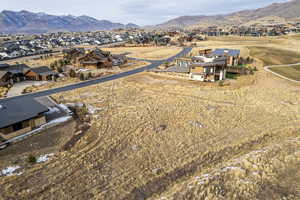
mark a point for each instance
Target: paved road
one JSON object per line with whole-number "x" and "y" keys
{"x": 153, "y": 65}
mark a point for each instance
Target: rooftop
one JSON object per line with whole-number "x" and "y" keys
{"x": 228, "y": 52}
{"x": 44, "y": 70}
{"x": 18, "y": 110}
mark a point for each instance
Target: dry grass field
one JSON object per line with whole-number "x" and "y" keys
{"x": 292, "y": 72}
{"x": 150, "y": 53}
{"x": 3, "y": 91}
{"x": 158, "y": 137}
{"x": 37, "y": 62}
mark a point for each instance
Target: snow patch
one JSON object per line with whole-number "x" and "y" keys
{"x": 52, "y": 110}
{"x": 225, "y": 169}
{"x": 58, "y": 120}
{"x": 44, "y": 158}
{"x": 9, "y": 171}
{"x": 65, "y": 108}
{"x": 93, "y": 110}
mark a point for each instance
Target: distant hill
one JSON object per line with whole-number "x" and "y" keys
{"x": 289, "y": 11}
{"x": 28, "y": 22}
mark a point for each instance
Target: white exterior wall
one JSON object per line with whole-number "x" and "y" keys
{"x": 197, "y": 77}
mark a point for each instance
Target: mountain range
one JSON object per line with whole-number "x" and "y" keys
{"x": 287, "y": 11}
{"x": 29, "y": 23}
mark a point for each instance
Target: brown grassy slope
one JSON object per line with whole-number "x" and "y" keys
{"x": 274, "y": 56}
{"x": 292, "y": 72}
{"x": 150, "y": 135}
{"x": 151, "y": 53}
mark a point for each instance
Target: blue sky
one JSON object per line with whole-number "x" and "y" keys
{"x": 141, "y": 12}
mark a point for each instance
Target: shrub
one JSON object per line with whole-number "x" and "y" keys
{"x": 90, "y": 75}
{"x": 221, "y": 83}
{"x": 59, "y": 69}
{"x": 72, "y": 73}
{"x": 251, "y": 71}
{"x": 81, "y": 77}
{"x": 166, "y": 64}
{"x": 31, "y": 159}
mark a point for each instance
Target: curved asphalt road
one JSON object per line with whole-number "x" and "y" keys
{"x": 153, "y": 65}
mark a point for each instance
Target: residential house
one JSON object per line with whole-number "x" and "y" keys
{"x": 4, "y": 66}
{"x": 20, "y": 116}
{"x": 213, "y": 70}
{"x": 73, "y": 54}
{"x": 43, "y": 73}
{"x": 5, "y": 78}
{"x": 119, "y": 60}
{"x": 18, "y": 72}
{"x": 96, "y": 59}
{"x": 233, "y": 55}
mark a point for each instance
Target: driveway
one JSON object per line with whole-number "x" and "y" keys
{"x": 18, "y": 88}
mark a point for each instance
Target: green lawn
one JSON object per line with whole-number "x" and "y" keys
{"x": 292, "y": 72}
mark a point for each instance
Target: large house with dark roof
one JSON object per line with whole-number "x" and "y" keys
{"x": 43, "y": 73}
{"x": 19, "y": 117}
{"x": 18, "y": 72}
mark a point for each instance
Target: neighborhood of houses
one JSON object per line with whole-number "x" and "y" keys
{"x": 10, "y": 74}
{"x": 21, "y": 46}
{"x": 80, "y": 56}
{"x": 29, "y": 115}
{"x": 270, "y": 28}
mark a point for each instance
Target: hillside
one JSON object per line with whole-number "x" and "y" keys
{"x": 28, "y": 22}
{"x": 286, "y": 11}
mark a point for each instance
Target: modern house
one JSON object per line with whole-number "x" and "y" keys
{"x": 43, "y": 73}
{"x": 232, "y": 55}
{"x": 214, "y": 70}
{"x": 19, "y": 117}
{"x": 207, "y": 66}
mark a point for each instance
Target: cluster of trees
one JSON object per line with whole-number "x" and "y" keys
{"x": 245, "y": 61}
{"x": 46, "y": 56}
{"x": 85, "y": 76}
{"x": 59, "y": 64}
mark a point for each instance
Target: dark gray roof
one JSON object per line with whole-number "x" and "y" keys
{"x": 209, "y": 64}
{"x": 18, "y": 69}
{"x": 2, "y": 73}
{"x": 4, "y": 66}
{"x": 44, "y": 70}
{"x": 15, "y": 110}
{"x": 178, "y": 69}
{"x": 229, "y": 52}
